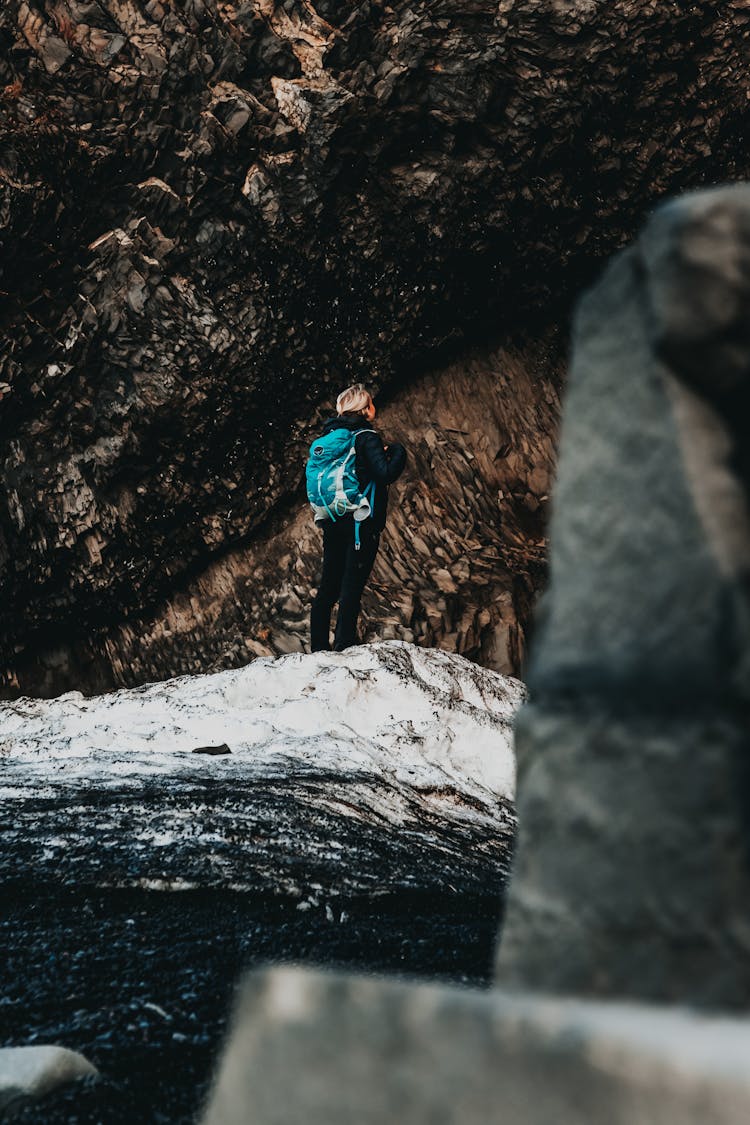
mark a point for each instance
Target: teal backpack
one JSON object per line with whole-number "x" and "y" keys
{"x": 332, "y": 486}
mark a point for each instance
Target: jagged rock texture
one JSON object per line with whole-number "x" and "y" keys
{"x": 461, "y": 560}
{"x": 214, "y": 214}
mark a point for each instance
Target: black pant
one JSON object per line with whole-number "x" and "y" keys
{"x": 345, "y": 572}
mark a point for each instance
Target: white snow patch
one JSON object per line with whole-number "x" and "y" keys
{"x": 419, "y": 717}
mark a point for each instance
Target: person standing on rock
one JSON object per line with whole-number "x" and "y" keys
{"x": 348, "y": 474}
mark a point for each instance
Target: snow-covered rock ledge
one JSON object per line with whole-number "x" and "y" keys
{"x": 383, "y": 768}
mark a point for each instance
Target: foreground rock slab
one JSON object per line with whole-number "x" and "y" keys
{"x": 29, "y": 1073}
{"x": 313, "y": 1047}
{"x": 382, "y": 769}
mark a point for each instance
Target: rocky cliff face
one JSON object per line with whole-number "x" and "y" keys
{"x": 215, "y": 213}
{"x": 458, "y": 567}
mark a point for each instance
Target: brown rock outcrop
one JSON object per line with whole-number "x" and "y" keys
{"x": 213, "y": 214}
{"x": 460, "y": 563}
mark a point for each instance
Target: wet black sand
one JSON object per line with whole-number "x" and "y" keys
{"x": 141, "y": 981}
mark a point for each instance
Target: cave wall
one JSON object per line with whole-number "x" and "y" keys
{"x": 460, "y": 562}
{"x": 215, "y": 214}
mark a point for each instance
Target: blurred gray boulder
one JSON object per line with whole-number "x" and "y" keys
{"x": 632, "y": 871}
{"x": 317, "y": 1047}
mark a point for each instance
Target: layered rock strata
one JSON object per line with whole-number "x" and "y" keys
{"x": 214, "y": 214}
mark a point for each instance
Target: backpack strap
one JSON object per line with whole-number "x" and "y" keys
{"x": 370, "y": 489}
{"x": 370, "y": 493}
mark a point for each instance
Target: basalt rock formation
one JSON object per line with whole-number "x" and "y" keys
{"x": 214, "y": 214}
{"x": 458, "y": 567}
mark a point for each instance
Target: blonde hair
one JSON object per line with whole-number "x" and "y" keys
{"x": 354, "y": 400}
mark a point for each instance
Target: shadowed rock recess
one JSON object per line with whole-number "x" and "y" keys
{"x": 459, "y": 565}
{"x": 214, "y": 214}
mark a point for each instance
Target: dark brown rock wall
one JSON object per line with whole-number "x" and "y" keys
{"x": 460, "y": 562}
{"x": 214, "y": 214}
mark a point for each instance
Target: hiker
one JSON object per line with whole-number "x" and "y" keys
{"x": 348, "y": 475}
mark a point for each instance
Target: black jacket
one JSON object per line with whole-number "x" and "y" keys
{"x": 372, "y": 462}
